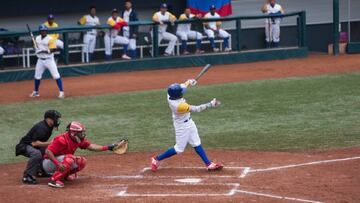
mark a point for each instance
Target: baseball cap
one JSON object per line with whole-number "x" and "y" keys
{"x": 115, "y": 11}
{"x": 212, "y": 7}
{"x": 164, "y": 5}
{"x": 50, "y": 16}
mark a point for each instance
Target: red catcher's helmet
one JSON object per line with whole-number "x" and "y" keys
{"x": 76, "y": 131}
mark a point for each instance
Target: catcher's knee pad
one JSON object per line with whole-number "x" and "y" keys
{"x": 68, "y": 161}
{"x": 80, "y": 162}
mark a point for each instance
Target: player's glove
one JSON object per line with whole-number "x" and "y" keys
{"x": 213, "y": 103}
{"x": 120, "y": 147}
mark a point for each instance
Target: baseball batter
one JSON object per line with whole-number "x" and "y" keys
{"x": 112, "y": 36}
{"x": 60, "y": 161}
{"x": 162, "y": 17}
{"x": 50, "y": 23}
{"x": 272, "y": 25}
{"x": 90, "y": 36}
{"x": 213, "y": 29}
{"x": 185, "y": 128}
{"x": 45, "y": 47}
{"x": 184, "y": 32}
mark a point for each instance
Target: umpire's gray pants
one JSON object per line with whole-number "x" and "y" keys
{"x": 34, "y": 163}
{"x": 49, "y": 167}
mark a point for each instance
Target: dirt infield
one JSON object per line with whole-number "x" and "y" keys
{"x": 145, "y": 80}
{"x": 331, "y": 176}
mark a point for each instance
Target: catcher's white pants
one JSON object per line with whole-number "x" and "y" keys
{"x": 189, "y": 35}
{"x": 272, "y": 31}
{"x": 48, "y": 63}
{"x": 186, "y": 133}
{"x": 110, "y": 41}
{"x": 168, "y": 37}
{"x": 222, "y": 33}
{"x": 1, "y": 51}
{"x": 59, "y": 44}
{"x": 90, "y": 42}
{"x": 132, "y": 41}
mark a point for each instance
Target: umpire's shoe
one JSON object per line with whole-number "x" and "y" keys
{"x": 28, "y": 179}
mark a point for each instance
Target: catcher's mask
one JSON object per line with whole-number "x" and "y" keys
{"x": 76, "y": 131}
{"x": 53, "y": 115}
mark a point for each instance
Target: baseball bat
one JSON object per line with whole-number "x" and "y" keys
{"x": 32, "y": 36}
{"x": 203, "y": 71}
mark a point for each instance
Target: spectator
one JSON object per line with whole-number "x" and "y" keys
{"x": 111, "y": 36}
{"x": 50, "y": 23}
{"x": 184, "y": 32}
{"x": 90, "y": 37}
{"x": 130, "y": 32}
{"x": 162, "y": 17}
{"x": 272, "y": 24}
{"x": 213, "y": 29}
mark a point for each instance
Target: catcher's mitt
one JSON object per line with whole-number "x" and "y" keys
{"x": 121, "y": 147}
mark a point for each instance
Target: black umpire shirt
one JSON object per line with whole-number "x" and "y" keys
{"x": 39, "y": 132}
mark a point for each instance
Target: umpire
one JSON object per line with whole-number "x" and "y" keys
{"x": 34, "y": 143}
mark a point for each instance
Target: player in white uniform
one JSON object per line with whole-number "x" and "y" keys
{"x": 90, "y": 36}
{"x": 213, "y": 29}
{"x": 46, "y": 45}
{"x": 272, "y": 25}
{"x": 185, "y": 128}
{"x": 162, "y": 17}
{"x": 184, "y": 32}
{"x": 112, "y": 36}
{"x": 130, "y": 32}
{"x": 2, "y": 51}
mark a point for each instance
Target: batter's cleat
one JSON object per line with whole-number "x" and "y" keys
{"x": 28, "y": 179}
{"x": 35, "y": 94}
{"x": 154, "y": 164}
{"x": 56, "y": 184}
{"x": 61, "y": 95}
{"x": 126, "y": 57}
{"x": 214, "y": 167}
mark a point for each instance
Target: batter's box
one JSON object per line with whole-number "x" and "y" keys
{"x": 195, "y": 172}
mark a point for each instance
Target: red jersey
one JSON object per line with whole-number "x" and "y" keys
{"x": 63, "y": 144}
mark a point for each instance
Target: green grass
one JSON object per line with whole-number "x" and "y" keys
{"x": 282, "y": 115}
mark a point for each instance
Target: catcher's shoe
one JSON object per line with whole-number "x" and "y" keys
{"x": 56, "y": 184}
{"x": 154, "y": 164}
{"x": 214, "y": 167}
{"x": 34, "y": 94}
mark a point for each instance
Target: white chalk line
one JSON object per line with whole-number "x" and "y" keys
{"x": 171, "y": 184}
{"x": 302, "y": 164}
{"x": 245, "y": 172}
{"x": 192, "y": 167}
{"x": 163, "y": 176}
{"x": 275, "y": 196}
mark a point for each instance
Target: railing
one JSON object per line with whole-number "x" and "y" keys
{"x": 301, "y": 30}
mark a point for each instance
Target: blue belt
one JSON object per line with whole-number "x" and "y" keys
{"x": 187, "y": 120}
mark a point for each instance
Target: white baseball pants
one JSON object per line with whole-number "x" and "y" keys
{"x": 189, "y": 35}
{"x": 90, "y": 42}
{"x": 185, "y": 134}
{"x": 110, "y": 41}
{"x": 222, "y": 33}
{"x": 48, "y": 63}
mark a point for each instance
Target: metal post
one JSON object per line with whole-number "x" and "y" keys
{"x": 336, "y": 21}
{"x": 155, "y": 40}
{"x": 303, "y": 28}
{"x": 299, "y": 31}
{"x": 238, "y": 33}
{"x": 66, "y": 48}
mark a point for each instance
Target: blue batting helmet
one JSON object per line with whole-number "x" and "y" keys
{"x": 176, "y": 91}
{"x": 43, "y": 27}
{"x": 164, "y": 5}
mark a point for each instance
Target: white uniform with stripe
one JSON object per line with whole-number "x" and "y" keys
{"x": 112, "y": 36}
{"x": 185, "y": 128}
{"x": 184, "y": 30}
{"x": 214, "y": 26}
{"x": 163, "y": 35}
{"x": 126, "y": 30}
{"x": 45, "y": 60}
{"x": 90, "y": 36}
{"x": 272, "y": 26}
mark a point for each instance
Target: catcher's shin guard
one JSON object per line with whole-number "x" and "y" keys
{"x": 68, "y": 161}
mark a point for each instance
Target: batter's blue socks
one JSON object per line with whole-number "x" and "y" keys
{"x": 226, "y": 42}
{"x": 37, "y": 85}
{"x": 200, "y": 151}
{"x": 212, "y": 42}
{"x": 59, "y": 84}
{"x": 169, "y": 153}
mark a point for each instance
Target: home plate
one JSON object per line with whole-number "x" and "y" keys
{"x": 189, "y": 180}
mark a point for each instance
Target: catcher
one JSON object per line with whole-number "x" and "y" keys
{"x": 59, "y": 159}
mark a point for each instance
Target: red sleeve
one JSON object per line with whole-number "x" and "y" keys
{"x": 57, "y": 145}
{"x": 84, "y": 144}
{"x": 120, "y": 24}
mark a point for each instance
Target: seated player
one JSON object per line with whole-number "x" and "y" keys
{"x": 184, "y": 32}
{"x": 162, "y": 17}
{"x": 34, "y": 143}
{"x": 60, "y": 161}
{"x": 185, "y": 128}
{"x": 213, "y": 29}
{"x": 112, "y": 36}
{"x": 50, "y": 23}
